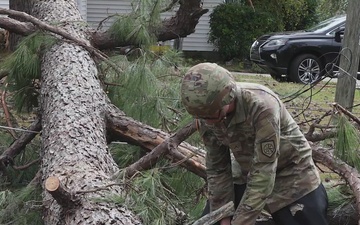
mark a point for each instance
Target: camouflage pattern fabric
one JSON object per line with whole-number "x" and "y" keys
{"x": 202, "y": 98}
{"x": 274, "y": 158}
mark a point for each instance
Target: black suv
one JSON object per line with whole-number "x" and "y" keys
{"x": 300, "y": 56}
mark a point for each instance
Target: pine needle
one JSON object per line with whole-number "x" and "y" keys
{"x": 348, "y": 142}
{"x": 340, "y": 198}
{"x": 21, "y": 207}
{"x": 24, "y": 66}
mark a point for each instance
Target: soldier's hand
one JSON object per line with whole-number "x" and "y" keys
{"x": 226, "y": 221}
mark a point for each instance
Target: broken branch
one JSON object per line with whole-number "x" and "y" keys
{"x": 17, "y": 146}
{"x": 63, "y": 197}
{"x": 151, "y": 158}
{"x": 126, "y": 129}
{"x": 26, "y": 165}
{"x": 346, "y": 112}
{"x": 215, "y": 216}
{"x": 350, "y": 174}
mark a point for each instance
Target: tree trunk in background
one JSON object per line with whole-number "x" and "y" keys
{"x": 74, "y": 147}
{"x": 349, "y": 61}
{"x": 19, "y": 5}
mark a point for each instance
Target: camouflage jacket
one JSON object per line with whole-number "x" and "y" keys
{"x": 274, "y": 158}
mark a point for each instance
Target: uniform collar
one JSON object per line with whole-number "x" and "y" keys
{"x": 239, "y": 116}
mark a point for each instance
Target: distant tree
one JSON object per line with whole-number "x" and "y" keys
{"x": 19, "y": 5}
{"x": 328, "y": 8}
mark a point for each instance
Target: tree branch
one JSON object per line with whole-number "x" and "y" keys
{"x": 350, "y": 174}
{"x": 17, "y": 146}
{"x": 170, "y": 6}
{"x": 63, "y": 197}
{"x": 182, "y": 24}
{"x": 184, "y": 21}
{"x": 56, "y": 30}
{"x": 346, "y": 112}
{"x": 315, "y": 137}
{"x": 15, "y": 26}
{"x": 149, "y": 160}
{"x": 24, "y": 167}
{"x": 215, "y": 216}
{"x": 123, "y": 128}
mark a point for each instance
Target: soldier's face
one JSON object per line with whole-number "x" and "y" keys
{"x": 218, "y": 116}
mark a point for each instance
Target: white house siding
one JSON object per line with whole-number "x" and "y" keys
{"x": 97, "y": 10}
{"x": 82, "y": 8}
{"x": 198, "y": 41}
{"x": 4, "y": 4}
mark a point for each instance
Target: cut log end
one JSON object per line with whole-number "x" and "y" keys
{"x": 61, "y": 194}
{"x": 52, "y": 184}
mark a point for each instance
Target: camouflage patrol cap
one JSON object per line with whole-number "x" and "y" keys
{"x": 206, "y": 88}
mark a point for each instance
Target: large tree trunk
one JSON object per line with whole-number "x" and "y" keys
{"x": 74, "y": 148}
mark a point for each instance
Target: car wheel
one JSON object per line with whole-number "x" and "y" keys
{"x": 305, "y": 69}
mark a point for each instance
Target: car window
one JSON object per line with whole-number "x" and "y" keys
{"x": 327, "y": 25}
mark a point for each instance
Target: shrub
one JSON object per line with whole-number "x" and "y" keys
{"x": 234, "y": 27}
{"x": 299, "y": 14}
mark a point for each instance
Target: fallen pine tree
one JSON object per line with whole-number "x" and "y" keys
{"x": 160, "y": 144}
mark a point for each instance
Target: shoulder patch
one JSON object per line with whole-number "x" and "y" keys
{"x": 268, "y": 148}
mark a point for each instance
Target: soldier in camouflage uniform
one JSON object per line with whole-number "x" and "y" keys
{"x": 276, "y": 171}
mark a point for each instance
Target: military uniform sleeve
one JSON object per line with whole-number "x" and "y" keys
{"x": 218, "y": 170}
{"x": 261, "y": 177}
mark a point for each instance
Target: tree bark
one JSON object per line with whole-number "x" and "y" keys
{"x": 184, "y": 22}
{"x": 349, "y": 58}
{"x": 74, "y": 147}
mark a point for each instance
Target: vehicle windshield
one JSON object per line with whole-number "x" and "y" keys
{"x": 327, "y": 24}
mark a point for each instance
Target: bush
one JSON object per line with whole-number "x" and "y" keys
{"x": 234, "y": 27}
{"x": 299, "y": 14}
